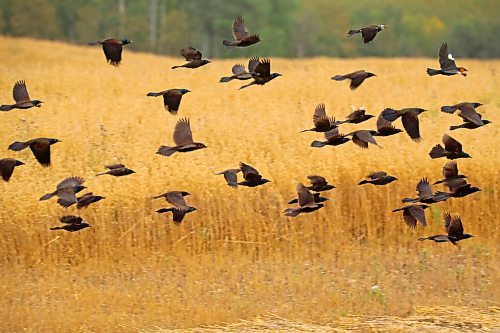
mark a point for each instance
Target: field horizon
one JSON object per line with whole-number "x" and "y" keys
{"x": 237, "y": 257}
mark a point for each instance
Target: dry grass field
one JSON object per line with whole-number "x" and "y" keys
{"x": 238, "y": 257}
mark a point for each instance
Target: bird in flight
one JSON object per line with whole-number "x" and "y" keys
{"x": 367, "y": 33}
{"x": 193, "y": 58}
{"x": 241, "y": 36}
{"x": 21, "y": 97}
{"x": 112, "y": 48}
{"x": 183, "y": 139}
{"x": 447, "y": 64}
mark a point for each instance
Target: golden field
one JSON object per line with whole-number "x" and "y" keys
{"x": 237, "y": 257}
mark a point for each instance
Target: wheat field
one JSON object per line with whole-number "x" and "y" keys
{"x": 237, "y": 257}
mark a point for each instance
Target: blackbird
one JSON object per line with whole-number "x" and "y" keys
{"x": 183, "y": 139}
{"x": 447, "y": 64}
{"x": 193, "y": 56}
{"x": 363, "y": 137}
{"x": 385, "y": 127}
{"x": 425, "y": 195}
{"x": 333, "y": 138}
{"x": 171, "y": 98}
{"x": 317, "y": 199}
{"x": 112, "y": 48}
{"x": 356, "y": 78}
{"x": 175, "y": 198}
{"x": 178, "y": 215}
{"x": 22, "y": 98}
{"x": 87, "y": 199}
{"x": 450, "y": 173}
{"x": 454, "y": 230}
{"x": 378, "y": 178}
{"x": 322, "y": 123}
{"x": 240, "y": 73}
{"x": 117, "y": 170}
{"x": 466, "y": 111}
{"x": 7, "y": 166}
{"x": 252, "y": 177}
{"x": 368, "y": 33}
{"x": 66, "y": 190}
{"x": 319, "y": 184}
{"x": 357, "y": 116}
{"x": 459, "y": 106}
{"x": 40, "y": 148}
{"x": 306, "y": 202}
{"x": 72, "y": 223}
{"x": 409, "y": 118}
{"x": 240, "y": 34}
{"x": 261, "y": 74}
{"x": 231, "y": 177}
{"x": 452, "y": 149}
{"x": 412, "y": 214}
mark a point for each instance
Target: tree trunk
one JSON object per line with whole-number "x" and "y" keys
{"x": 153, "y": 24}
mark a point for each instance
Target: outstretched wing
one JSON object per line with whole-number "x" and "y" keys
{"x": 446, "y": 60}
{"x": 424, "y": 188}
{"x": 263, "y": 69}
{"x": 249, "y": 173}
{"x": 305, "y": 196}
{"x": 451, "y": 144}
{"x": 239, "y": 29}
{"x": 238, "y": 69}
{"x": 70, "y": 182}
{"x": 456, "y": 229}
{"x": 450, "y": 170}
{"x": 190, "y": 53}
{"x": 20, "y": 92}
{"x": 182, "y": 132}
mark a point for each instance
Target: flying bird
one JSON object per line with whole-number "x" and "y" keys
{"x": 333, "y": 138}
{"x": 171, "y": 98}
{"x": 412, "y": 214}
{"x": 357, "y": 116}
{"x": 240, "y": 73}
{"x": 21, "y": 97}
{"x": 425, "y": 194}
{"x": 319, "y": 184}
{"x": 87, "y": 199}
{"x": 356, "y": 78}
{"x": 459, "y": 106}
{"x": 317, "y": 199}
{"x": 241, "y": 36}
{"x": 454, "y": 230}
{"x": 450, "y": 173}
{"x": 183, "y": 139}
{"x": 322, "y": 123}
{"x": 175, "y": 198}
{"x": 452, "y": 149}
{"x": 112, "y": 48}
{"x": 306, "y": 202}
{"x": 466, "y": 111}
{"x": 7, "y": 166}
{"x": 261, "y": 74}
{"x": 447, "y": 64}
{"x": 178, "y": 215}
{"x": 409, "y": 118}
{"x": 252, "y": 177}
{"x": 368, "y": 33}
{"x": 72, "y": 223}
{"x": 117, "y": 170}
{"x": 378, "y": 178}
{"x": 40, "y": 148}
{"x": 363, "y": 137}
{"x": 66, "y": 190}
{"x": 193, "y": 58}
{"x": 385, "y": 127}
{"x": 459, "y": 188}
{"x": 231, "y": 177}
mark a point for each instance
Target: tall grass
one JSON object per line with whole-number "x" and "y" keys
{"x": 237, "y": 257}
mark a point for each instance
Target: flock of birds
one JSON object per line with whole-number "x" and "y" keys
{"x": 308, "y": 197}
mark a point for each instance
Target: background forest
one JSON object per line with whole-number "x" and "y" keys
{"x": 289, "y": 28}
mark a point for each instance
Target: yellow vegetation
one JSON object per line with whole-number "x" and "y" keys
{"x": 237, "y": 257}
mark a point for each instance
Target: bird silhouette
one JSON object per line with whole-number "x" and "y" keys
{"x": 240, "y": 73}
{"x": 112, "y": 48}
{"x": 171, "y": 98}
{"x": 357, "y": 78}
{"x": 66, "y": 191}
{"x": 412, "y": 214}
{"x": 252, "y": 177}
{"x": 21, "y": 97}
{"x": 454, "y": 229}
{"x": 409, "y": 118}
{"x": 322, "y": 123}
{"x": 447, "y": 64}
{"x": 117, "y": 170}
{"x": 183, "y": 139}
{"x": 333, "y": 138}
{"x": 452, "y": 149}
{"x": 7, "y": 166}
{"x": 72, "y": 223}
{"x": 40, "y": 147}
{"x": 306, "y": 202}
{"x": 367, "y": 33}
{"x": 231, "y": 177}
{"x": 261, "y": 74}
{"x": 241, "y": 36}
{"x": 193, "y": 58}
{"x": 378, "y": 178}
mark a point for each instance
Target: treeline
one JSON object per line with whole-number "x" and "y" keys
{"x": 289, "y": 28}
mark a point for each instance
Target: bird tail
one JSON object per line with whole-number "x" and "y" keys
{"x": 153, "y": 94}
{"x": 95, "y": 43}
{"x": 353, "y": 32}
{"x": 423, "y": 238}
{"x": 102, "y": 173}
{"x": 452, "y": 128}
{"x": 317, "y": 144}
{"x": 225, "y": 79}
{"x": 6, "y": 107}
{"x": 47, "y": 196}
{"x": 363, "y": 182}
{"x": 57, "y": 228}
{"x": 228, "y": 43}
{"x": 246, "y": 85}
{"x": 409, "y": 200}
{"x": 437, "y": 151}
{"x": 17, "y": 146}
{"x": 174, "y": 67}
{"x": 292, "y": 212}
{"x": 448, "y": 109}
{"x": 432, "y": 72}
{"x": 166, "y": 151}
{"x": 165, "y": 210}
{"x": 338, "y": 78}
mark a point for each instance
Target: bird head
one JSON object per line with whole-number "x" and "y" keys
{"x": 275, "y": 75}
{"x": 265, "y": 181}
{"x": 465, "y": 236}
{"x": 52, "y": 141}
{"x": 463, "y": 71}
{"x": 126, "y": 41}
{"x": 200, "y": 145}
{"x": 19, "y": 163}
{"x": 370, "y": 74}
{"x": 486, "y": 122}
{"x": 185, "y": 91}
{"x": 79, "y": 188}
{"x": 204, "y": 62}
{"x": 476, "y": 105}
{"x": 184, "y": 193}
{"x": 465, "y": 155}
{"x": 383, "y": 26}
{"x": 392, "y": 178}
{"x": 37, "y": 103}
{"x": 420, "y": 110}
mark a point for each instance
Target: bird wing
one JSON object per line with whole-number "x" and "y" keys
{"x": 41, "y": 150}
{"x": 7, "y": 167}
{"x": 178, "y": 215}
{"x": 424, "y": 188}
{"x": 177, "y": 200}
{"x": 249, "y": 173}
{"x": 70, "y": 182}
{"x": 71, "y": 219}
{"x": 453, "y": 184}
{"x": 238, "y": 69}
{"x": 172, "y": 100}
{"x": 332, "y": 134}
{"x": 20, "y": 92}
{"x": 317, "y": 180}
{"x": 450, "y": 170}
{"x": 411, "y": 125}
{"x": 409, "y": 219}
{"x": 182, "y": 132}
{"x": 231, "y": 177}
{"x": 112, "y": 50}
{"x": 378, "y": 174}
{"x": 305, "y": 196}
{"x": 451, "y": 144}
{"x": 362, "y": 138}
{"x": 355, "y": 114}
{"x": 446, "y": 60}
{"x": 252, "y": 64}
{"x": 357, "y": 78}
{"x": 369, "y": 33}
{"x": 456, "y": 229}
{"x": 190, "y": 53}
{"x": 319, "y": 112}
{"x": 468, "y": 113}
{"x": 239, "y": 29}
{"x": 263, "y": 69}
{"x": 418, "y": 213}
{"x": 447, "y": 220}
{"x": 115, "y": 166}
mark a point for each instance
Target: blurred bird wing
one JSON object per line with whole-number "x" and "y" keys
{"x": 41, "y": 150}
{"x": 409, "y": 219}
{"x": 411, "y": 125}
{"x": 115, "y": 166}
{"x": 451, "y": 144}
{"x": 263, "y": 69}
{"x": 177, "y": 200}
{"x": 178, "y": 215}
{"x": 67, "y": 196}
{"x": 382, "y": 123}
{"x": 249, "y": 173}
{"x": 323, "y": 123}
{"x": 469, "y": 113}
{"x": 70, "y": 182}
{"x": 455, "y": 183}
{"x": 362, "y": 138}
{"x": 172, "y": 100}
{"x": 424, "y": 188}
{"x": 182, "y": 132}
{"x": 190, "y": 53}
{"x": 239, "y": 29}
{"x": 450, "y": 170}
{"x": 70, "y": 219}
{"x": 112, "y": 49}
{"x": 305, "y": 196}
{"x": 231, "y": 177}
{"x": 418, "y": 213}
{"x": 319, "y": 112}
{"x": 376, "y": 175}
{"x": 447, "y": 220}
{"x": 456, "y": 229}
{"x": 332, "y": 134}
{"x": 317, "y": 180}
{"x": 446, "y": 60}
{"x": 20, "y": 92}
{"x": 238, "y": 69}
{"x": 369, "y": 33}
{"x": 252, "y": 64}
